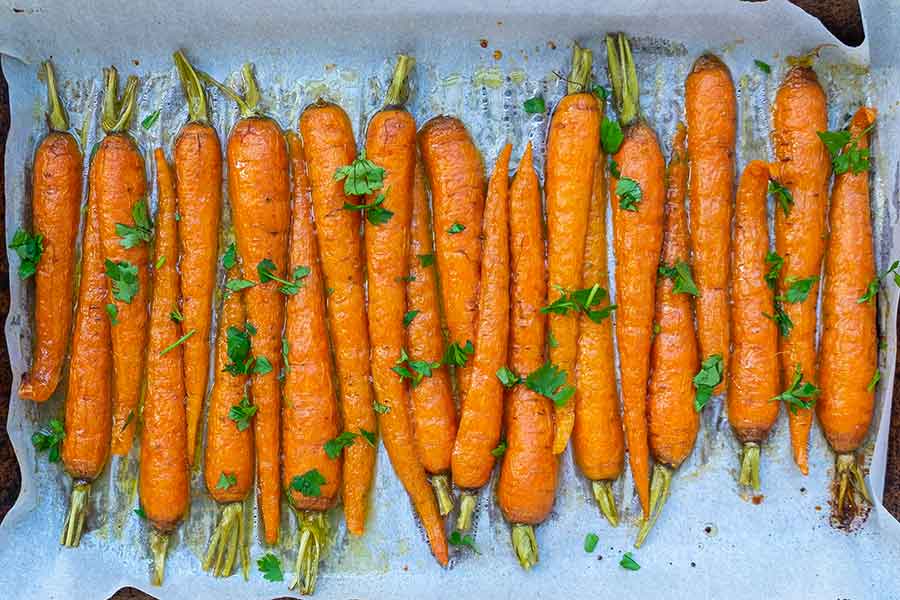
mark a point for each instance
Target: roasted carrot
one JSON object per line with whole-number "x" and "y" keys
{"x": 329, "y": 145}
{"x": 754, "y": 376}
{"x": 848, "y": 355}
{"x": 803, "y": 168}
{"x": 672, "y": 419}
{"x": 598, "y": 441}
{"x": 637, "y": 232}
{"x": 310, "y": 415}
{"x": 573, "y": 144}
{"x": 259, "y": 190}
{"x": 118, "y": 179}
{"x": 85, "y": 448}
{"x": 481, "y": 418}
{"x": 711, "y": 111}
{"x": 56, "y": 204}
{"x": 197, "y": 154}
{"x": 164, "y": 479}
{"x": 456, "y": 175}
{"x": 433, "y": 410}
{"x": 528, "y": 473}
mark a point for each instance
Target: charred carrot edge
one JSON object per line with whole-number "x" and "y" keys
{"x": 848, "y": 356}
{"x": 671, "y": 418}
{"x": 573, "y": 145}
{"x": 164, "y": 478}
{"x": 56, "y": 206}
{"x": 528, "y": 473}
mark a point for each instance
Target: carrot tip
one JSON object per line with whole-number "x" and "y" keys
{"x": 659, "y": 493}
{"x": 159, "y": 546}
{"x": 443, "y": 494}
{"x": 227, "y": 540}
{"x": 467, "y": 503}
{"x": 78, "y": 507}
{"x": 525, "y": 545}
{"x": 313, "y": 530}
{"x": 603, "y": 494}
{"x": 749, "y": 476}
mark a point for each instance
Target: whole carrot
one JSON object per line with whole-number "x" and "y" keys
{"x": 329, "y": 145}
{"x": 433, "y": 411}
{"x": 672, "y": 419}
{"x": 803, "y": 168}
{"x": 481, "y": 417}
{"x": 848, "y": 355}
{"x": 56, "y": 204}
{"x": 118, "y": 179}
{"x": 528, "y": 473}
{"x": 309, "y": 416}
{"x": 197, "y": 155}
{"x": 85, "y": 448}
{"x": 754, "y": 377}
{"x": 164, "y": 478}
{"x": 573, "y": 144}
{"x": 711, "y": 111}
{"x": 639, "y": 194}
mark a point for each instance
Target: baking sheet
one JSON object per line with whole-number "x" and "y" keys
{"x": 710, "y": 541}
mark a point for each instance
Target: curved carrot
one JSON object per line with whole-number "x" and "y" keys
{"x": 481, "y": 417}
{"x": 56, "y": 205}
{"x": 573, "y": 145}
{"x": 848, "y": 357}
{"x": 528, "y": 473}
{"x": 197, "y": 154}
{"x": 117, "y": 177}
{"x": 637, "y": 228}
{"x": 711, "y": 111}
{"x": 754, "y": 374}
{"x": 803, "y": 168}
{"x": 164, "y": 478}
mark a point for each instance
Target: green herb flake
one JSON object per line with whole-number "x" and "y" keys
{"x": 426, "y": 260}
{"x": 226, "y": 481}
{"x": 680, "y": 273}
{"x": 334, "y": 446}
{"x": 876, "y": 377}
{"x": 763, "y": 66}
{"x": 124, "y": 277}
{"x": 241, "y": 413}
{"x": 368, "y": 436}
{"x": 270, "y": 567}
{"x": 176, "y": 315}
{"x": 266, "y": 270}
{"x": 360, "y": 177}
{"x": 229, "y": 259}
{"x": 776, "y": 263}
{"x": 160, "y": 262}
{"x": 150, "y": 119}
{"x": 782, "y": 195}
{"x": 614, "y": 169}
{"x": 113, "y": 311}
{"x": 309, "y": 484}
{"x": 500, "y": 450}
{"x": 798, "y": 289}
{"x": 48, "y": 438}
{"x": 29, "y": 249}
{"x": 782, "y": 319}
{"x": 629, "y": 193}
{"x": 535, "y": 105}
{"x": 381, "y": 409}
{"x": 376, "y": 214}
{"x": 409, "y": 316}
{"x": 629, "y": 563}
{"x": 507, "y": 377}
{"x": 178, "y": 342}
{"x": 456, "y": 228}
{"x": 236, "y": 285}
{"x": 458, "y": 355}
{"x": 262, "y": 366}
{"x": 706, "y": 380}
{"x": 601, "y": 92}
{"x": 583, "y": 300}
{"x": 549, "y": 381}
{"x": 800, "y": 394}
{"x": 139, "y": 511}
{"x": 875, "y": 284}
{"x": 238, "y": 349}
{"x": 460, "y": 540}
{"x": 611, "y": 136}
{"x": 142, "y": 230}
{"x": 846, "y": 155}
{"x": 590, "y": 542}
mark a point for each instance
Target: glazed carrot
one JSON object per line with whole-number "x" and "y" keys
{"x": 259, "y": 190}
{"x": 528, "y": 473}
{"x": 56, "y": 204}
{"x": 456, "y": 176}
{"x": 573, "y": 144}
{"x": 85, "y": 449}
{"x": 803, "y": 167}
{"x": 481, "y": 417}
{"x": 637, "y": 233}
{"x": 309, "y": 416}
{"x": 598, "y": 441}
{"x": 433, "y": 410}
{"x": 848, "y": 355}
{"x": 329, "y": 145}
{"x": 711, "y": 111}
{"x": 118, "y": 179}
{"x": 754, "y": 374}
{"x": 672, "y": 420}
{"x": 164, "y": 478}
{"x": 197, "y": 154}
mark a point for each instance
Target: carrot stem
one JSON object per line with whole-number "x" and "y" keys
{"x": 228, "y": 542}
{"x": 659, "y": 493}
{"x": 849, "y": 478}
{"x": 467, "y": 503}
{"x": 117, "y": 111}
{"x": 603, "y": 494}
{"x": 750, "y": 465}
{"x": 78, "y": 506}
{"x": 159, "y": 545}
{"x": 525, "y": 545}
{"x": 580, "y": 77}
{"x": 313, "y": 529}
{"x": 249, "y": 102}
{"x": 57, "y": 117}
{"x": 623, "y": 77}
{"x": 398, "y": 92}
{"x": 441, "y": 485}
{"x": 193, "y": 89}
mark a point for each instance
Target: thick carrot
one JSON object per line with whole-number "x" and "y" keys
{"x": 456, "y": 175}
{"x": 848, "y": 355}
{"x": 164, "y": 478}
{"x": 528, "y": 473}
{"x": 197, "y": 154}
{"x": 118, "y": 179}
{"x": 671, "y": 418}
{"x": 573, "y": 145}
{"x": 598, "y": 441}
{"x": 481, "y": 417}
{"x": 754, "y": 374}
{"x": 711, "y": 111}
{"x": 803, "y": 167}
{"x": 433, "y": 410}
{"x": 637, "y": 232}
{"x": 56, "y": 205}
{"x": 85, "y": 448}
{"x": 329, "y": 145}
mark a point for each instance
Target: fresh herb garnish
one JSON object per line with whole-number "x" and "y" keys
{"x": 376, "y": 214}
{"x": 507, "y": 377}
{"x": 458, "y": 539}
{"x": 241, "y": 413}
{"x": 160, "y": 262}
{"x": 309, "y": 483}
{"x": 360, "y": 177}
{"x": 262, "y": 366}
{"x": 763, "y": 66}
{"x": 590, "y": 542}
{"x": 782, "y": 195}
{"x": 270, "y": 567}
{"x": 426, "y": 260}
{"x": 124, "y": 276}
{"x": 458, "y": 355}
{"x": 629, "y": 563}
{"x": 266, "y": 270}
{"x": 176, "y": 315}
{"x": 409, "y": 316}
{"x": 500, "y": 450}
{"x": 876, "y": 377}
{"x": 629, "y": 193}
{"x": 49, "y": 438}
{"x": 798, "y": 289}
{"x": 581, "y": 300}
{"x": 285, "y": 350}
{"x": 369, "y": 436}
{"x": 334, "y": 446}
{"x": 800, "y": 394}
{"x": 381, "y": 409}
{"x": 846, "y": 155}
{"x": 236, "y": 285}
{"x": 875, "y": 284}
{"x": 706, "y": 380}
{"x": 614, "y": 169}
{"x": 782, "y": 319}
{"x": 681, "y": 275}
{"x": 601, "y": 92}
{"x": 549, "y": 381}
{"x": 177, "y": 343}
{"x": 456, "y": 228}
{"x": 139, "y": 511}
{"x": 113, "y": 311}
{"x": 226, "y": 481}
{"x": 29, "y": 248}
{"x": 611, "y": 136}
{"x": 229, "y": 259}
{"x": 238, "y": 350}
{"x": 142, "y": 230}
{"x": 775, "y": 263}
{"x": 150, "y": 119}
{"x": 535, "y": 105}
{"x": 413, "y": 370}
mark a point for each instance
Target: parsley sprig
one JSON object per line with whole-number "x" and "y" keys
{"x": 782, "y": 319}
{"x": 706, "y": 380}
{"x": 798, "y": 289}
{"x": 782, "y": 195}
{"x": 846, "y": 155}
{"x": 142, "y": 230}
{"x": 458, "y": 355}
{"x": 270, "y": 567}
{"x": 49, "y": 438}
{"x": 875, "y": 284}
{"x": 375, "y": 213}
{"x": 549, "y": 381}
{"x": 800, "y": 394}
{"x": 360, "y": 177}
{"x": 680, "y": 273}
{"x": 629, "y": 193}
{"x": 776, "y": 263}
{"x": 29, "y": 249}
{"x": 309, "y": 484}
{"x": 413, "y": 370}
{"x": 581, "y": 301}
{"x": 266, "y": 270}
{"x": 124, "y": 276}
{"x": 241, "y": 413}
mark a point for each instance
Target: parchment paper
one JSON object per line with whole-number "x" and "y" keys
{"x": 710, "y": 542}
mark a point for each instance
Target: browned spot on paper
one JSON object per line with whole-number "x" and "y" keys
{"x": 757, "y": 499}
{"x": 483, "y": 43}
{"x": 497, "y": 55}
{"x": 551, "y": 44}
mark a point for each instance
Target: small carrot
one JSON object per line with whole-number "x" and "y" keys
{"x": 164, "y": 479}
{"x": 573, "y": 144}
{"x": 528, "y": 473}
{"x": 56, "y": 204}
{"x": 481, "y": 417}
